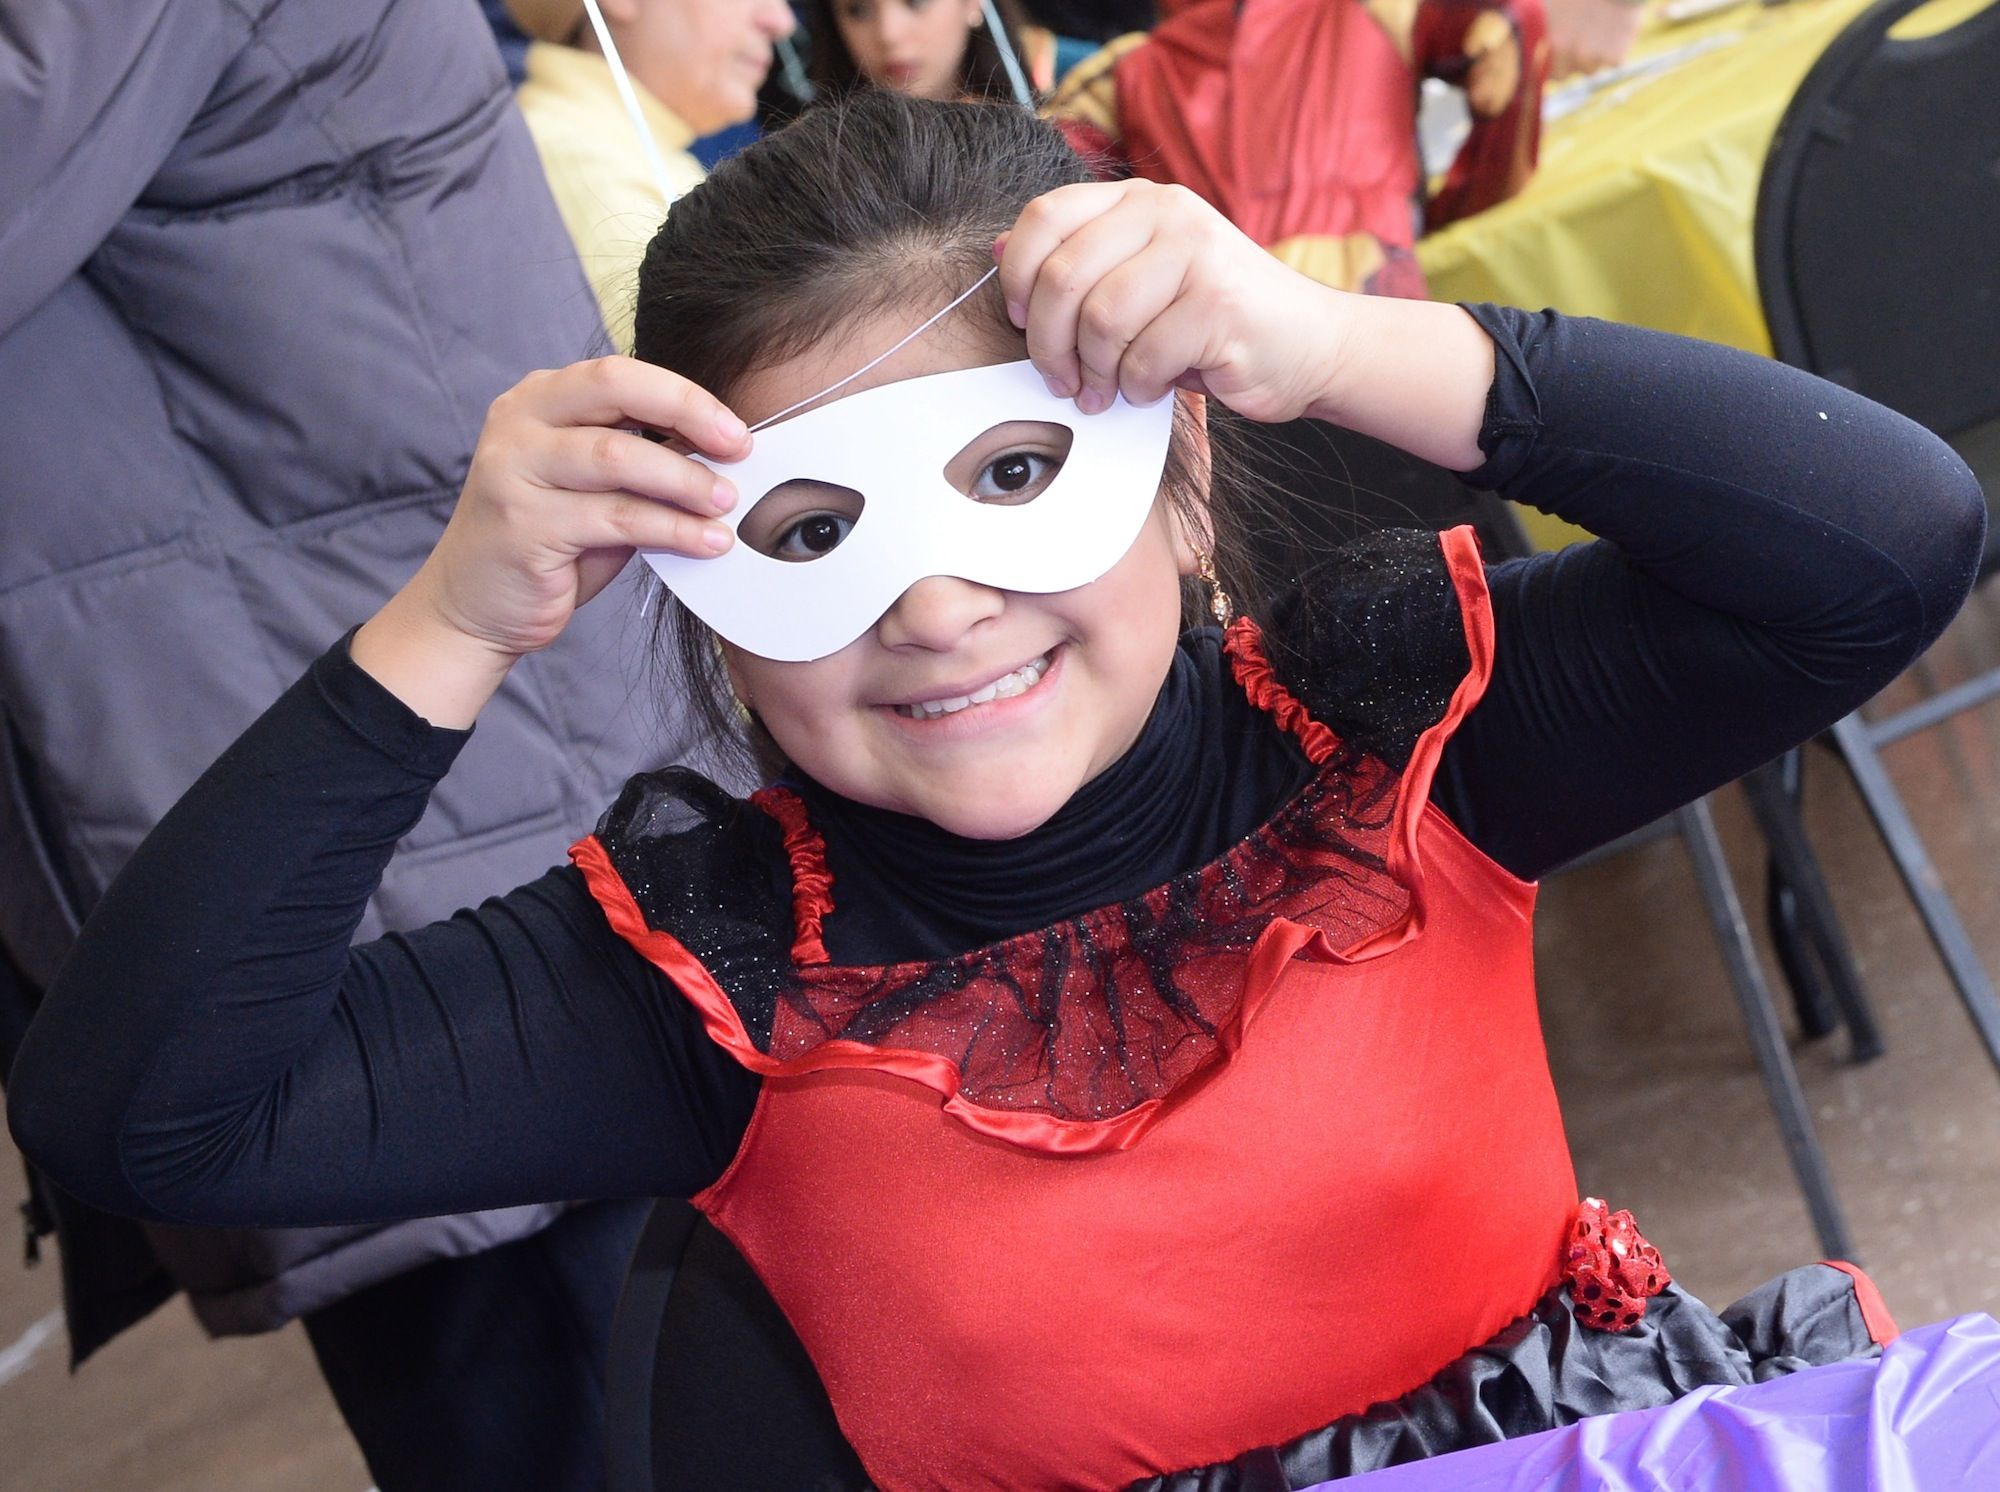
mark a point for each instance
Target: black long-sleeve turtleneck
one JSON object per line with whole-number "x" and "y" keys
{"x": 1774, "y": 551}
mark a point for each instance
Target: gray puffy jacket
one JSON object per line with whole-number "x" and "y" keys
{"x": 263, "y": 265}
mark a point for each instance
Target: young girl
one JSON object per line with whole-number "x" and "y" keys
{"x": 1113, "y": 1046}
{"x": 937, "y": 49}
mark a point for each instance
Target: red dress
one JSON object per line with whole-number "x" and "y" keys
{"x": 1180, "y": 1177}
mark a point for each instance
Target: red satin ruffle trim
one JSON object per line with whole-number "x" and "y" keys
{"x": 812, "y": 882}
{"x": 1243, "y": 645}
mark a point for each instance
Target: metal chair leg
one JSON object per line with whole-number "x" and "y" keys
{"x": 1920, "y": 876}
{"x": 1760, "y": 1024}
{"x": 1792, "y": 857}
{"x": 1797, "y": 960}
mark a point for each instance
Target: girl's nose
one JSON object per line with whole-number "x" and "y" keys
{"x": 938, "y": 613}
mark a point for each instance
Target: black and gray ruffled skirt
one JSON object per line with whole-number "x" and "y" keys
{"x": 1549, "y": 1369}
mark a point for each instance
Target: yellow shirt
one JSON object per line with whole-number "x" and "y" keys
{"x": 598, "y": 172}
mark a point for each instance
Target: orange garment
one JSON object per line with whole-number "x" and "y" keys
{"x": 1360, "y": 1175}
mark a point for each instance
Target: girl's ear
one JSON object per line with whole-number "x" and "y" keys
{"x": 1193, "y": 534}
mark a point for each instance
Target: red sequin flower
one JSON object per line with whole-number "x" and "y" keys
{"x": 1612, "y": 1271}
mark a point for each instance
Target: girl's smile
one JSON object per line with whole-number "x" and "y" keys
{"x": 981, "y": 706}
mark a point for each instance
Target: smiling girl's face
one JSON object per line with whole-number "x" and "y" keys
{"x": 979, "y": 709}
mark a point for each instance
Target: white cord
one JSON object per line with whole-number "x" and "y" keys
{"x": 834, "y": 388}
{"x": 619, "y": 76}
{"x": 801, "y": 85}
{"x": 1018, "y": 80}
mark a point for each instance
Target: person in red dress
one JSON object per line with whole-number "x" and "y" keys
{"x": 1298, "y": 119}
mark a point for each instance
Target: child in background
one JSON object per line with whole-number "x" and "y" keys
{"x": 936, "y": 49}
{"x": 1114, "y": 1045}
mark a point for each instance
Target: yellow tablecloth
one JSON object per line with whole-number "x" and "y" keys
{"x": 1642, "y": 206}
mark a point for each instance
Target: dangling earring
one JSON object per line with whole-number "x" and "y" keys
{"x": 1219, "y": 605}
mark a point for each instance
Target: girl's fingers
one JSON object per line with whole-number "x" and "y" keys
{"x": 1069, "y": 276}
{"x": 623, "y": 390}
{"x": 590, "y": 459}
{"x": 1117, "y": 311}
{"x": 1041, "y": 228}
{"x": 620, "y": 521}
{"x": 1167, "y": 352}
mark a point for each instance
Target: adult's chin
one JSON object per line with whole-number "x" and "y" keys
{"x": 725, "y": 106}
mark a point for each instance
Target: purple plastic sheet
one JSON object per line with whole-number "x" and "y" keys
{"x": 1924, "y": 1417}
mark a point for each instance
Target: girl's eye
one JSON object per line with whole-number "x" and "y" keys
{"x": 812, "y": 536}
{"x": 1015, "y": 477}
{"x": 1010, "y": 463}
{"x": 801, "y": 519}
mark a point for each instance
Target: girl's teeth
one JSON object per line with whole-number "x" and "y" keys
{"x": 1020, "y": 681}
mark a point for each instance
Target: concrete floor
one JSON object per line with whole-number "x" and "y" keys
{"x": 1665, "y": 1112}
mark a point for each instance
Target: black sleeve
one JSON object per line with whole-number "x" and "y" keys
{"x": 215, "y": 1052}
{"x": 1773, "y": 550}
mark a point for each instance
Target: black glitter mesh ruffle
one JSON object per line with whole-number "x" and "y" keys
{"x": 1372, "y": 643}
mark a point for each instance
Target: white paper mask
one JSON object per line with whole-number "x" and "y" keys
{"x": 889, "y": 448}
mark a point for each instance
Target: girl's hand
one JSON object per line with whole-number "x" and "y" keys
{"x": 557, "y": 498}
{"x": 1145, "y": 288}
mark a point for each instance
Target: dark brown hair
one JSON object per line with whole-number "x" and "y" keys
{"x": 981, "y": 73}
{"x": 863, "y": 205}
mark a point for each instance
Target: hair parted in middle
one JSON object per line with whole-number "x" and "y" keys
{"x": 865, "y": 205}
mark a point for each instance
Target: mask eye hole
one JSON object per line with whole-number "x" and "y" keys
{"x": 1010, "y": 464}
{"x": 801, "y": 520}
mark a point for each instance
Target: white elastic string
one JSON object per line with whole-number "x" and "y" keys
{"x": 618, "y": 76}
{"x": 1023, "y": 95}
{"x": 834, "y": 388}
{"x": 795, "y": 71}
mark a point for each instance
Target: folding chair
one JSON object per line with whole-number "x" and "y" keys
{"x": 1878, "y": 217}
